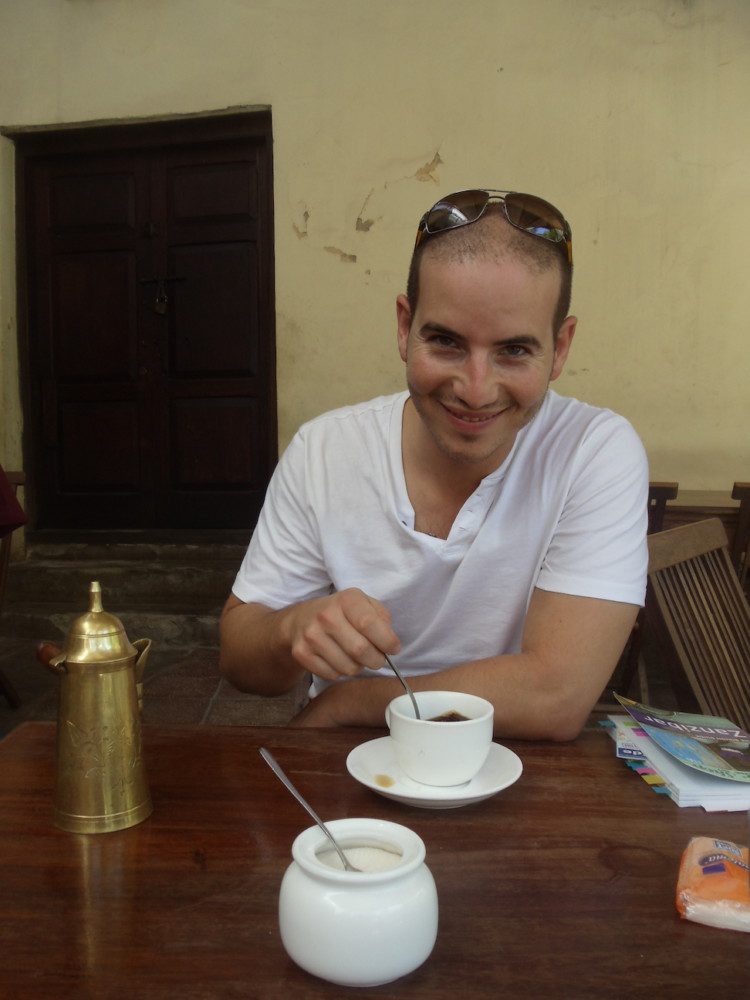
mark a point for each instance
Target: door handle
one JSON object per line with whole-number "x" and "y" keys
{"x": 161, "y": 299}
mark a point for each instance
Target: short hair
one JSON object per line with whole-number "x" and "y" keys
{"x": 492, "y": 237}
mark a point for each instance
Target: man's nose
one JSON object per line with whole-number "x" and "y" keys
{"x": 476, "y": 384}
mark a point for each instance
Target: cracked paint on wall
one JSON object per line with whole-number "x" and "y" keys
{"x": 301, "y": 231}
{"x": 349, "y": 258}
{"x": 427, "y": 172}
{"x": 364, "y": 225}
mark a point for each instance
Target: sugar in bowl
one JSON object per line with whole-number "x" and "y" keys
{"x": 359, "y": 928}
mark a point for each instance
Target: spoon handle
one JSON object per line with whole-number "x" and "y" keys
{"x": 276, "y": 768}
{"x": 401, "y": 677}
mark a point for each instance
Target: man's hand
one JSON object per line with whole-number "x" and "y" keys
{"x": 268, "y": 652}
{"x": 340, "y": 635}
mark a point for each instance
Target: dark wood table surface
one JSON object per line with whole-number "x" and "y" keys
{"x": 561, "y": 886}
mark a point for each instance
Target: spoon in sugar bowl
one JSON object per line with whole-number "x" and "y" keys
{"x": 277, "y": 770}
{"x": 401, "y": 677}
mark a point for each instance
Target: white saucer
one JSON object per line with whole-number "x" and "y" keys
{"x": 374, "y": 763}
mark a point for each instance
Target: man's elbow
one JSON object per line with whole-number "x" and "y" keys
{"x": 232, "y": 667}
{"x": 227, "y": 667}
{"x": 565, "y": 721}
{"x": 245, "y": 659}
{"x": 565, "y": 733}
{"x": 239, "y": 670}
{"x": 235, "y": 652}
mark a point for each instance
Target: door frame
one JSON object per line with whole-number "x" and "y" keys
{"x": 141, "y": 134}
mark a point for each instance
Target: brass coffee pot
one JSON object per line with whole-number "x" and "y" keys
{"x": 101, "y": 779}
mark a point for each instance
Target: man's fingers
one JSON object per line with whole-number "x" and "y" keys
{"x": 339, "y": 645}
{"x": 323, "y": 655}
{"x": 345, "y": 633}
{"x": 372, "y": 620}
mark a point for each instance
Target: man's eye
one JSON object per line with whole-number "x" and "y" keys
{"x": 514, "y": 351}
{"x": 442, "y": 340}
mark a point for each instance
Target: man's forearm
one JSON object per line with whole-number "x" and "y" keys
{"x": 570, "y": 648}
{"x": 530, "y": 702}
{"x": 255, "y": 654}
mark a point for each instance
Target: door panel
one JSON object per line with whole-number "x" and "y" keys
{"x": 93, "y": 201}
{"x": 83, "y": 340}
{"x": 94, "y": 310}
{"x": 214, "y": 322}
{"x": 108, "y": 461}
{"x": 211, "y": 192}
{"x": 214, "y": 353}
{"x": 197, "y": 424}
{"x": 150, "y": 324}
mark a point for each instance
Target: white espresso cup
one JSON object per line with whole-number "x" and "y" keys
{"x": 436, "y": 752}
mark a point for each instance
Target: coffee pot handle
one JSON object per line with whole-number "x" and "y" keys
{"x": 51, "y": 657}
{"x": 143, "y": 646}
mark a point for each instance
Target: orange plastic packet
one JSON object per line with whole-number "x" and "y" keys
{"x": 713, "y": 886}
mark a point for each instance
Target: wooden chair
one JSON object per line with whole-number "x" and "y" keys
{"x": 631, "y": 662}
{"x": 741, "y": 546}
{"x": 658, "y": 494}
{"x": 15, "y": 479}
{"x": 701, "y": 619}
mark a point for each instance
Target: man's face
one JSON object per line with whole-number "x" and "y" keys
{"x": 479, "y": 355}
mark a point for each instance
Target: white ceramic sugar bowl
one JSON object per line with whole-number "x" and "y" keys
{"x": 361, "y": 928}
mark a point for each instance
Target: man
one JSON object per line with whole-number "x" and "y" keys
{"x": 487, "y": 532}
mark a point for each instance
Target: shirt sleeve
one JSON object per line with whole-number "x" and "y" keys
{"x": 284, "y": 562}
{"x": 599, "y": 547}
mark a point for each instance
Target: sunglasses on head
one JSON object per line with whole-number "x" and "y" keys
{"x": 524, "y": 211}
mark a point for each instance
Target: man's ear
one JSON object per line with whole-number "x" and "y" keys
{"x": 403, "y": 321}
{"x": 562, "y": 345}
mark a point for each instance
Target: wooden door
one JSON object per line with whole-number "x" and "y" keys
{"x": 149, "y": 277}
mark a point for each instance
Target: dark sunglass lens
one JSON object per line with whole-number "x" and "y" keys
{"x": 534, "y": 215}
{"x": 456, "y": 210}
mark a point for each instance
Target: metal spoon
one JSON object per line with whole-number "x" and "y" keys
{"x": 401, "y": 677}
{"x": 276, "y": 768}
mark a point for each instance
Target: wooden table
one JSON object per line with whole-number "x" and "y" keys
{"x": 561, "y": 886}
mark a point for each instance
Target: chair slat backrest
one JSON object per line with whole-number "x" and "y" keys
{"x": 630, "y": 665}
{"x": 741, "y": 546}
{"x": 704, "y": 616}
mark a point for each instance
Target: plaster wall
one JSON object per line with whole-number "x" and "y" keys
{"x": 631, "y": 117}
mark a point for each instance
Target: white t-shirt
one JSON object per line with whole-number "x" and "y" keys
{"x": 565, "y": 512}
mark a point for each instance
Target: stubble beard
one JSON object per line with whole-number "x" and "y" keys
{"x": 469, "y": 456}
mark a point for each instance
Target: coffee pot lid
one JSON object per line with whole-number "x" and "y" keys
{"x": 97, "y": 635}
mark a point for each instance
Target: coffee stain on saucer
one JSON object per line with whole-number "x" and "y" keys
{"x": 384, "y": 780}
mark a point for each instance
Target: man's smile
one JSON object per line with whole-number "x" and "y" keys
{"x": 470, "y": 417}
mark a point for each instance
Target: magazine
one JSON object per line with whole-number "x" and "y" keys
{"x": 665, "y": 773}
{"x": 712, "y": 745}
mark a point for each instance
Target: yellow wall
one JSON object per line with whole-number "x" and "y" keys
{"x": 632, "y": 117}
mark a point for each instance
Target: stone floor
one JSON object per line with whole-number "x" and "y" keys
{"x": 180, "y": 686}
